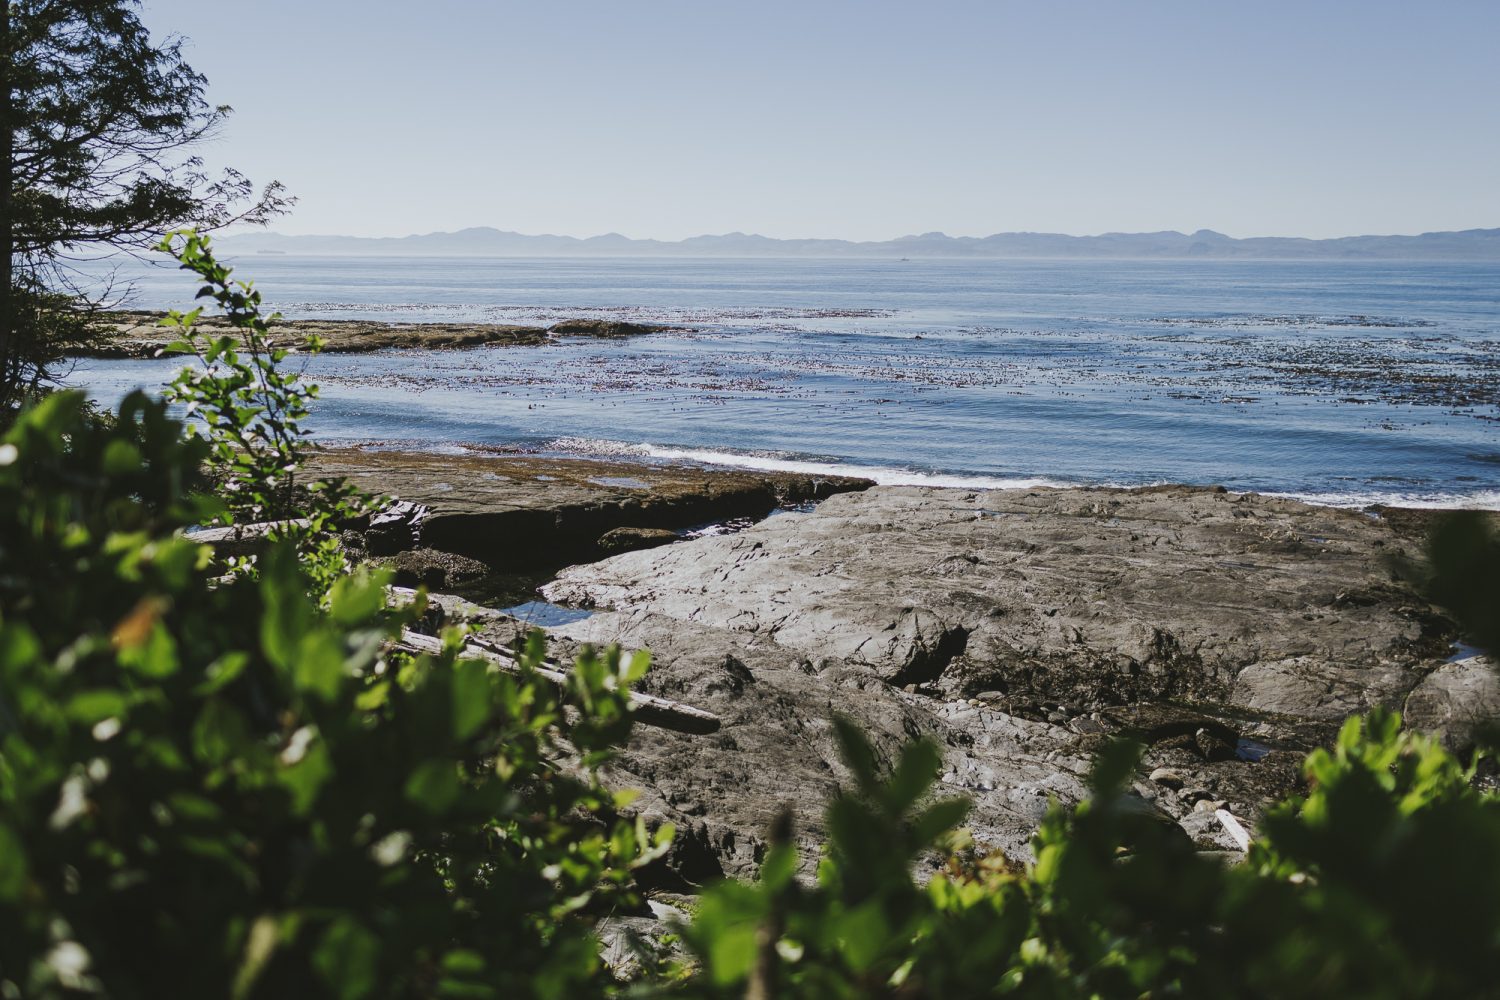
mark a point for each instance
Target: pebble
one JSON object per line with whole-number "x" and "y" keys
{"x": 1167, "y": 777}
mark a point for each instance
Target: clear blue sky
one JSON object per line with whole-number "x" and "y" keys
{"x": 860, "y": 119}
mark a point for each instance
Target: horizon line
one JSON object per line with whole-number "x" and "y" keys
{"x": 932, "y": 234}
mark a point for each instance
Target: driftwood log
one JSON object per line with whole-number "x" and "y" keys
{"x": 241, "y": 539}
{"x": 648, "y": 709}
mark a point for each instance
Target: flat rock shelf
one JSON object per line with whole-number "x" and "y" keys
{"x": 1229, "y": 633}
{"x": 516, "y": 511}
{"x": 1018, "y": 629}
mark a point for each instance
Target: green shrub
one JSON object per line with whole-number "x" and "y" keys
{"x": 213, "y": 788}
{"x": 1462, "y": 574}
{"x": 1382, "y": 882}
{"x": 249, "y": 408}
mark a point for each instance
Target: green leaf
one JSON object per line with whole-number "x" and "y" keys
{"x": 156, "y": 658}
{"x": 355, "y": 600}
{"x": 312, "y": 769}
{"x": 319, "y": 667}
{"x": 857, "y": 753}
{"x": 348, "y": 959}
{"x": 863, "y": 935}
{"x": 914, "y": 775}
{"x": 939, "y": 818}
{"x": 222, "y": 672}
{"x": 373, "y": 697}
{"x": 779, "y": 867}
{"x": 288, "y": 612}
{"x": 121, "y": 458}
{"x": 1113, "y": 766}
{"x": 12, "y": 865}
{"x": 220, "y": 733}
{"x": 434, "y": 785}
{"x": 472, "y": 695}
{"x": 90, "y": 707}
{"x": 731, "y": 953}
{"x": 19, "y": 646}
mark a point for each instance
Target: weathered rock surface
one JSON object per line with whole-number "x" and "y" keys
{"x": 1456, "y": 701}
{"x": 436, "y": 570}
{"x": 138, "y": 335}
{"x": 776, "y": 746}
{"x": 513, "y": 511}
{"x": 1080, "y": 598}
{"x": 395, "y": 528}
{"x": 1018, "y": 629}
{"x": 618, "y": 540}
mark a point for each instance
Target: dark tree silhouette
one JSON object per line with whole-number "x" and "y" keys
{"x": 98, "y": 131}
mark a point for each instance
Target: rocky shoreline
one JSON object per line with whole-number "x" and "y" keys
{"x": 137, "y": 335}
{"x": 1230, "y": 633}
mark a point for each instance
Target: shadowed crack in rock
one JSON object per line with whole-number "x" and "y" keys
{"x": 928, "y": 659}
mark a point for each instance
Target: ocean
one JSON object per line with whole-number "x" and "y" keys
{"x": 1338, "y": 382}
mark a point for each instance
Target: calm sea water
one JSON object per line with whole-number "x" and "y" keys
{"x": 1340, "y": 382}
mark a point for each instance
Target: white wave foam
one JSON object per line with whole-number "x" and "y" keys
{"x": 598, "y": 447}
{"x": 770, "y": 462}
{"x": 887, "y": 476}
{"x": 880, "y": 474}
{"x": 1478, "y": 500}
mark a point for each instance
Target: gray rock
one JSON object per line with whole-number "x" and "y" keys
{"x": 395, "y": 528}
{"x": 1084, "y": 597}
{"x": 520, "y": 511}
{"x": 456, "y": 610}
{"x": 1017, "y": 630}
{"x": 1208, "y": 833}
{"x": 1212, "y": 745}
{"x": 436, "y": 570}
{"x": 1456, "y": 700}
{"x": 776, "y": 746}
{"x": 631, "y": 539}
{"x": 1312, "y": 687}
{"x": 630, "y": 944}
{"x": 240, "y": 539}
{"x": 1167, "y": 778}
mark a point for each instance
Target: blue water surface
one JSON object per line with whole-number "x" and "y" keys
{"x": 1346, "y": 382}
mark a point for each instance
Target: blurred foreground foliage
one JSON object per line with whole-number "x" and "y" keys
{"x": 1463, "y": 574}
{"x": 217, "y": 786}
{"x": 1381, "y": 882}
{"x": 229, "y": 784}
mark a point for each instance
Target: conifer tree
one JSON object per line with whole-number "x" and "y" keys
{"x": 99, "y": 127}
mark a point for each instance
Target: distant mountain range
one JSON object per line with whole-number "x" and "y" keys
{"x": 1468, "y": 244}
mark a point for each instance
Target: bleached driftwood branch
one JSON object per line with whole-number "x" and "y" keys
{"x": 648, "y": 709}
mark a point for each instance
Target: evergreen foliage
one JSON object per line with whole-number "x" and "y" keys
{"x": 98, "y": 130}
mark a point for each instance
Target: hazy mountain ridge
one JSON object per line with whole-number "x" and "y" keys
{"x": 484, "y": 241}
